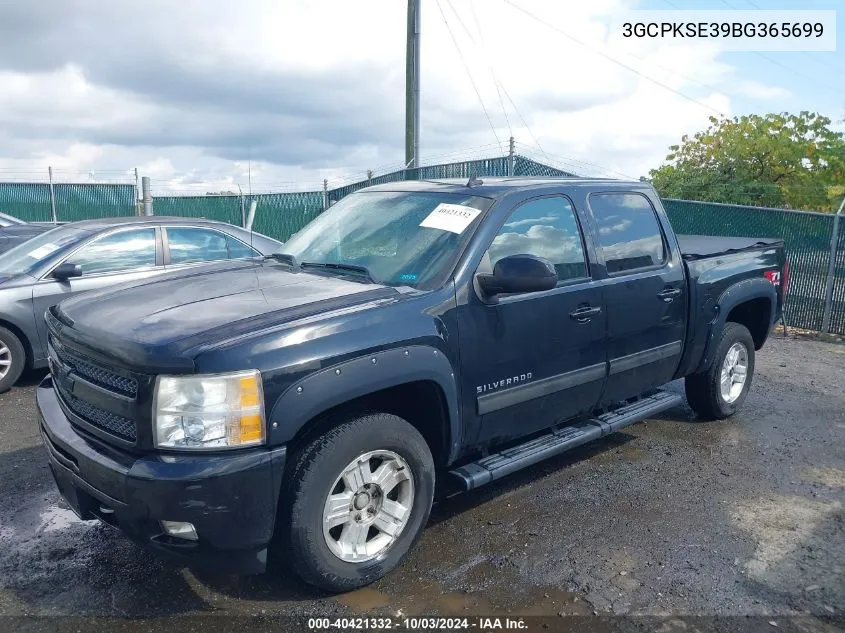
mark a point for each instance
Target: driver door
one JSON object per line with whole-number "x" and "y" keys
{"x": 532, "y": 360}
{"x": 119, "y": 256}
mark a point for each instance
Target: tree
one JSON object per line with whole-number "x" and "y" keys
{"x": 775, "y": 160}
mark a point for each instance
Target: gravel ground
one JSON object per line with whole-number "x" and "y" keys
{"x": 671, "y": 517}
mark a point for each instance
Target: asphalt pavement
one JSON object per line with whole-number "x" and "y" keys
{"x": 673, "y": 517}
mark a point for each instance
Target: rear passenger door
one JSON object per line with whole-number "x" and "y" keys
{"x": 644, "y": 293}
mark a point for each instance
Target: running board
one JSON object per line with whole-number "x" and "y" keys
{"x": 559, "y": 441}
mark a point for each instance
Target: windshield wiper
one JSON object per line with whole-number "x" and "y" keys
{"x": 350, "y": 268}
{"x": 285, "y": 258}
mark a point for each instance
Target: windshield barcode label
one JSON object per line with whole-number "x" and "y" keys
{"x": 454, "y": 218}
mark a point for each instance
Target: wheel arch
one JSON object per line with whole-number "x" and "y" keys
{"x": 751, "y": 303}
{"x": 416, "y": 383}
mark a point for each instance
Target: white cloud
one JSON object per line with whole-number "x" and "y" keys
{"x": 208, "y": 95}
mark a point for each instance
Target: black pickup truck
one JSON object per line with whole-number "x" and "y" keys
{"x": 300, "y": 409}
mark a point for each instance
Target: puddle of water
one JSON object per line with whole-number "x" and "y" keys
{"x": 494, "y": 592}
{"x": 366, "y": 599}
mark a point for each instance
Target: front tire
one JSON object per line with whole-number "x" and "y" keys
{"x": 718, "y": 393}
{"x": 359, "y": 497}
{"x": 12, "y": 359}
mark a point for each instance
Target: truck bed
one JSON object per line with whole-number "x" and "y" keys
{"x": 698, "y": 246}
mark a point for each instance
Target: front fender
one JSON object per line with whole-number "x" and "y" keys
{"x": 337, "y": 384}
{"x": 738, "y": 293}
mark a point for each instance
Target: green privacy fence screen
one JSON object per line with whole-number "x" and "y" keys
{"x": 279, "y": 215}
{"x": 82, "y": 201}
{"x": 223, "y": 208}
{"x": 806, "y": 235}
{"x": 837, "y": 306}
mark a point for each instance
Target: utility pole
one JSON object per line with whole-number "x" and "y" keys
{"x": 412, "y": 87}
{"x": 52, "y": 196}
{"x": 147, "y": 195}
{"x": 511, "y": 157}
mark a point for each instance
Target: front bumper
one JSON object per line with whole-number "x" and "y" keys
{"x": 230, "y": 498}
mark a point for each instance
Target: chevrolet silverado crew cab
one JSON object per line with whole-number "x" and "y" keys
{"x": 299, "y": 409}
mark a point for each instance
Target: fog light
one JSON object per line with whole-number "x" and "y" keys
{"x": 180, "y": 529}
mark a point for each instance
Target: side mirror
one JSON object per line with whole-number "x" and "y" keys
{"x": 518, "y": 273}
{"x": 65, "y": 271}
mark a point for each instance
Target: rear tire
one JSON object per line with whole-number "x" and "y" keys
{"x": 12, "y": 359}
{"x": 358, "y": 498}
{"x": 718, "y": 393}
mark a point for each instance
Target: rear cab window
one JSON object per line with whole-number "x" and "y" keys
{"x": 629, "y": 233}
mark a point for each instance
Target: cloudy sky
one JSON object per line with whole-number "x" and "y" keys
{"x": 198, "y": 94}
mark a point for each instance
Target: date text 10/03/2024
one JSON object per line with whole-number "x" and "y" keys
{"x": 418, "y": 624}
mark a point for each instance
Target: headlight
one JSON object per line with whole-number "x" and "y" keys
{"x": 209, "y": 412}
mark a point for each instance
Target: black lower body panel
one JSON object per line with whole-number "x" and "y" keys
{"x": 230, "y": 498}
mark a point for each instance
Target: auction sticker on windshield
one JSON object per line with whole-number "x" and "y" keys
{"x": 454, "y": 218}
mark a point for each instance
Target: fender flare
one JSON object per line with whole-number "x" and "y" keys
{"x": 336, "y": 384}
{"x": 746, "y": 290}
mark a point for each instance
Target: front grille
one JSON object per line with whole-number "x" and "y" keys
{"x": 97, "y": 375}
{"x": 105, "y": 420}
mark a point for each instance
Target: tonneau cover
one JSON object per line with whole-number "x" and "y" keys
{"x": 697, "y": 246}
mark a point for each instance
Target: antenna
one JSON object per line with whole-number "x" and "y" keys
{"x": 474, "y": 181}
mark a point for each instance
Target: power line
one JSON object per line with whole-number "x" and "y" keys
{"x": 489, "y": 64}
{"x": 612, "y": 59}
{"x": 500, "y": 86}
{"x": 772, "y": 60}
{"x": 579, "y": 162}
{"x": 818, "y": 59}
{"x": 469, "y": 74}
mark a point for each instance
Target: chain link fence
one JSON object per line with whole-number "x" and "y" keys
{"x": 36, "y": 202}
{"x": 816, "y": 298}
{"x": 807, "y": 236}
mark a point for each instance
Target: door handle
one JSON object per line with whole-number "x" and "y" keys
{"x": 585, "y": 313}
{"x": 668, "y": 295}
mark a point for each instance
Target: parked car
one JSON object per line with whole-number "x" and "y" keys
{"x": 93, "y": 254}
{"x": 14, "y": 231}
{"x": 414, "y": 332}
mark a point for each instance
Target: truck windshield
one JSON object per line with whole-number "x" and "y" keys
{"x": 25, "y": 257}
{"x": 401, "y": 238}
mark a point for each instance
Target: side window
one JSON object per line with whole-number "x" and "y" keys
{"x": 239, "y": 250}
{"x": 196, "y": 245}
{"x": 629, "y": 233}
{"x": 126, "y": 250}
{"x": 547, "y": 228}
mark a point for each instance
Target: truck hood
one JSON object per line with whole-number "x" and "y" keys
{"x": 161, "y": 320}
